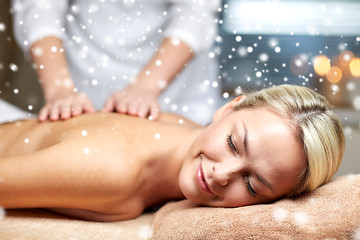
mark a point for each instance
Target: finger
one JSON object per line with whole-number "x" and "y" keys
{"x": 54, "y": 113}
{"x": 154, "y": 111}
{"x": 88, "y": 107}
{"x": 43, "y": 114}
{"x": 133, "y": 108}
{"x": 121, "y": 106}
{"x": 76, "y": 110}
{"x": 109, "y": 105}
{"x": 143, "y": 110}
{"x": 65, "y": 112}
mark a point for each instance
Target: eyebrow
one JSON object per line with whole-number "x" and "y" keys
{"x": 246, "y": 146}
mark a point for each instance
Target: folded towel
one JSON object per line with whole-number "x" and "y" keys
{"x": 36, "y": 224}
{"x": 330, "y": 212}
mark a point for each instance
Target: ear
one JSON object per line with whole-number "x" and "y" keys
{"x": 227, "y": 108}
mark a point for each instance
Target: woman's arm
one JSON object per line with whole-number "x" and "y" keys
{"x": 190, "y": 28}
{"x": 96, "y": 216}
{"x": 66, "y": 176}
{"x": 61, "y": 98}
{"x": 140, "y": 98}
{"x": 38, "y": 28}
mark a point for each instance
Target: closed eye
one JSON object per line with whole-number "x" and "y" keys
{"x": 249, "y": 187}
{"x": 231, "y": 143}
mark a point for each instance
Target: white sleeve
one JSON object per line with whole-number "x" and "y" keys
{"x": 193, "y": 21}
{"x": 36, "y": 19}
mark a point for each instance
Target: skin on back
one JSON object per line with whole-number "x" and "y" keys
{"x": 95, "y": 166}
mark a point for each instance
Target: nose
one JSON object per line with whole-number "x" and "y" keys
{"x": 224, "y": 172}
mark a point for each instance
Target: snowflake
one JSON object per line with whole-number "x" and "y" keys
{"x": 242, "y": 51}
{"x": 280, "y": 214}
{"x": 86, "y": 150}
{"x": 145, "y": 232}
{"x": 263, "y": 57}
{"x": 157, "y": 136}
{"x": 258, "y": 74}
{"x": 2, "y": 27}
{"x": 162, "y": 84}
{"x": 301, "y": 218}
{"x": 158, "y": 63}
{"x": 175, "y": 41}
{"x": 185, "y": 108}
{"x": 38, "y": 51}
{"x": 13, "y": 67}
{"x": 356, "y": 103}
{"x": 273, "y": 42}
{"x": 350, "y": 86}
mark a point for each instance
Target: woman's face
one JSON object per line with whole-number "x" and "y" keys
{"x": 246, "y": 157}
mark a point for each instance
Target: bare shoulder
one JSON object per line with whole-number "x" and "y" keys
{"x": 177, "y": 119}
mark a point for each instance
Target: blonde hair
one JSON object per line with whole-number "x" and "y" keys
{"x": 315, "y": 124}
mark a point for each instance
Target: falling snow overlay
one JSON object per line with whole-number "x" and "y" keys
{"x": 301, "y": 219}
{"x": 258, "y": 44}
{"x": 145, "y": 232}
{"x": 107, "y": 43}
{"x": 280, "y": 214}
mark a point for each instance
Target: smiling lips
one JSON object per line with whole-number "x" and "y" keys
{"x": 201, "y": 180}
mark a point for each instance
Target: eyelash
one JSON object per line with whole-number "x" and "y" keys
{"x": 231, "y": 143}
{"x": 249, "y": 187}
{"x": 247, "y": 182}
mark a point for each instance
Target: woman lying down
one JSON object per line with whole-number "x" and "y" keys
{"x": 275, "y": 143}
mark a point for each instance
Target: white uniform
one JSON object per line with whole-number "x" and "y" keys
{"x": 108, "y": 42}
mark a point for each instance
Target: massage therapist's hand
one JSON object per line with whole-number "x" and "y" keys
{"x": 65, "y": 105}
{"x": 135, "y": 100}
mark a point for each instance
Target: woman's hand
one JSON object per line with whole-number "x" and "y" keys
{"x": 134, "y": 100}
{"x": 66, "y": 105}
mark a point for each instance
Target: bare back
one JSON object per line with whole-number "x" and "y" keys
{"x": 100, "y": 163}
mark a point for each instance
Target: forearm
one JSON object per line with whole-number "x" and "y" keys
{"x": 51, "y": 66}
{"x": 56, "y": 177}
{"x": 171, "y": 57}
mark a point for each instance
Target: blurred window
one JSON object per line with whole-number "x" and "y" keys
{"x": 312, "y": 43}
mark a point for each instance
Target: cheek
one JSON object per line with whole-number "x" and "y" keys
{"x": 235, "y": 195}
{"x": 187, "y": 176}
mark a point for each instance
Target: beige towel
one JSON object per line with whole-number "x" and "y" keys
{"x": 330, "y": 212}
{"x": 34, "y": 224}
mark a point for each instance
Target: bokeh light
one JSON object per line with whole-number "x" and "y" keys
{"x": 345, "y": 57}
{"x": 355, "y": 67}
{"x": 322, "y": 65}
{"x": 299, "y": 64}
{"x": 334, "y": 75}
